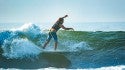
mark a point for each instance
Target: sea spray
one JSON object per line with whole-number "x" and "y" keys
{"x": 71, "y": 46}
{"x": 33, "y": 33}
{"x": 20, "y": 48}
{"x": 30, "y": 30}
{"x": 23, "y": 42}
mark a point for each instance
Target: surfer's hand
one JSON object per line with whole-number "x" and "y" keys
{"x": 72, "y": 29}
{"x": 65, "y": 16}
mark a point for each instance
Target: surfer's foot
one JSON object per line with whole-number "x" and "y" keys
{"x": 55, "y": 49}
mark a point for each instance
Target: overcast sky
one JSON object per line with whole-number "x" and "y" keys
{"x": 50, "y": 10}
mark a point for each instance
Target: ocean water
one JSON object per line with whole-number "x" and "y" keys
{"x": 86, "y": 26}
{"x": 90, "y": 49}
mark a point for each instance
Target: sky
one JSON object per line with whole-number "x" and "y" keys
{"x": 51, "y": 10}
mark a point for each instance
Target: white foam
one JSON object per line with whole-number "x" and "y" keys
{"x": 20, "y": 48}
{"x": 75, "y": 46}
{"x": 30, "y": 30}
{"x": 52, "y": 49}
{"x": 81, "y": 46}
{"x": 69, "y": 47}
{"x": 119, "y": 67}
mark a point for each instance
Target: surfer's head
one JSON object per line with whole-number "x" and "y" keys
{"x": 60, "y": 20}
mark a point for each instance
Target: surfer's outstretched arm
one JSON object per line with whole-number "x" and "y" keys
{"x": 65, "y": 16}
{"x": 65, "y": 28}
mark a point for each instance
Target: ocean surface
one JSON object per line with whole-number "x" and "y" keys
{"x": 92, "y": 46}
{"x": 86, "y": 26}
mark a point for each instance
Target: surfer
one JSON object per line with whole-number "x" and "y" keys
{"x": 54, "y": 29}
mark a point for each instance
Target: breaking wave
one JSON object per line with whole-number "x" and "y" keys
{"x": 76, "y": 49}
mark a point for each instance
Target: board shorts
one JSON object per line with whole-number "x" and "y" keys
{"x": 53, "y": 35}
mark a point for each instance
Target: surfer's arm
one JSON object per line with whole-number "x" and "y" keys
{"x": 65, "y": 16}
{"x": 65, "y": 28}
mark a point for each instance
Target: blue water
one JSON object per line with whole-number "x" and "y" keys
{"x": 98, "y": 26}
{"x": 85, "y": 26}
{"x": 20, "y": 48}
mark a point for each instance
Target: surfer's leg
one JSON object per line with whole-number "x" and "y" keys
{"x": 56, "y": 43}
{"x": 54, "y": 35}
{"x": 47, "y": 41}
{"x": 46, "y": 44}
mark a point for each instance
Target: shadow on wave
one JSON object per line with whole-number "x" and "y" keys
{"x": 44, "y": 60}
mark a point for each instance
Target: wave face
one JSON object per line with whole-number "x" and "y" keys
{"x": 22, "y": 48}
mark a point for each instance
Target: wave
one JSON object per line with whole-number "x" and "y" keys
{"x": 20, "y": 43}
{"x": 19, "y": 48}
{"x": 28, "y": 39}
{"x": 79, "y": 49}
